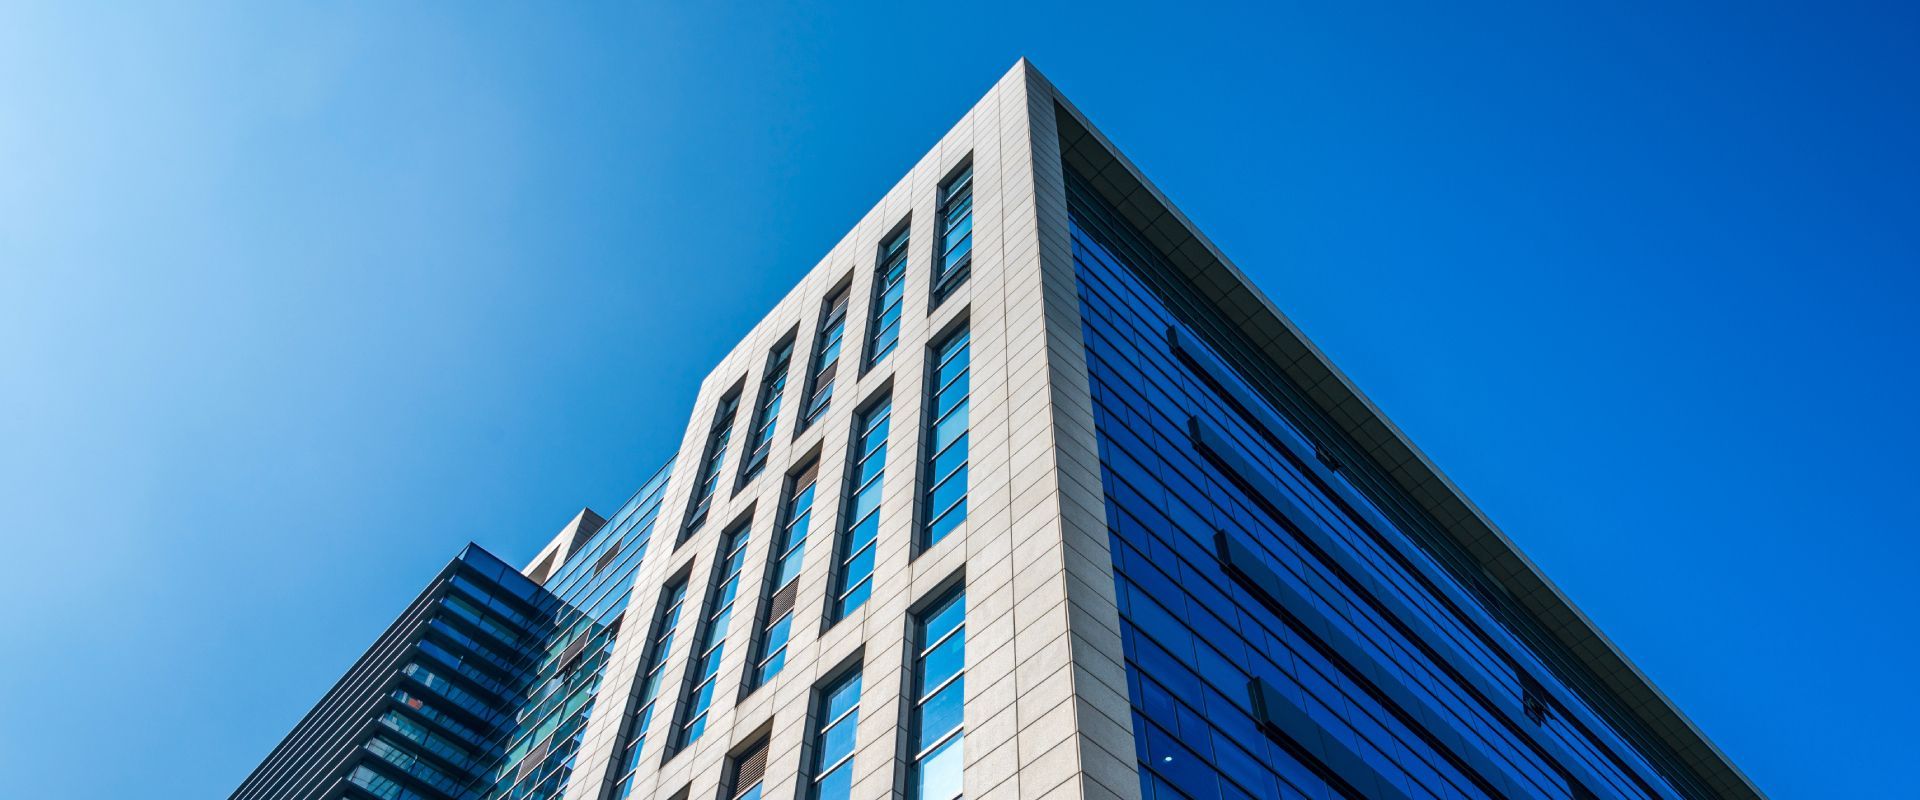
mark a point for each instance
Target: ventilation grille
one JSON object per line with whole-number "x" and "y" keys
{"x": 749, "y": 766}
{"x": 783, "y": 601}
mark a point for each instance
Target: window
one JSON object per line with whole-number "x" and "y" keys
{"x": 945, "y": 503}
{"x": 704, "y": 672}
{"x": 939, "y": 692}
{"x": 866, "y": 469}
{"x": 748, "y": 769}
{"x": 379, "y": 785}
{"x": 956, "y": 233}
{"x": 889, "y": 291}
{"x": 783, "y": 581}
{"x": 772, "y": 386}
{"x": 826, "y": 355}
{"x": 834, "y": 739}
{"x": 710, "y": 463}
{"x": 654, "y": 665}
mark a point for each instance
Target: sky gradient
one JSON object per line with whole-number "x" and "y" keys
{"x": 294, "y": 303}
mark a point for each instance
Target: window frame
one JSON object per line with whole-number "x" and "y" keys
{"x": 834, "y": 309}
{"x": 886, "y": 255}
{"x": 949, "y": 276}
{"x": 764, "y": 424}
{"x": 925, "y": 515}
{"x": 712, "y": 462}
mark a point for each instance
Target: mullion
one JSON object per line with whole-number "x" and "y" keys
{"x": 941, "y": 742}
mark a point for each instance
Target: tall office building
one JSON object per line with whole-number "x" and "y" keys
{"x": 1023, "y": 492}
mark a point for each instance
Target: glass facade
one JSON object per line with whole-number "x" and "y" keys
{"x": 593, "y": 587}
{"x": 944, "y": 505}
{"x": 866, "y": 473}
{"x": 1258, "y": 607}
{"x": 484, "y": 686}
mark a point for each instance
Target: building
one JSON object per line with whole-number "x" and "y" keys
{"x": 1023, "y": 491}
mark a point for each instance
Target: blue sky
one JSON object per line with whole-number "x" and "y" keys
{"x": 295, "y": 302}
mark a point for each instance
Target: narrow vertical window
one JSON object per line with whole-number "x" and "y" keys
{"x": 956, "y": 233}
{"x": 703, "y": 673}
{"x": 783, "y": 577}
{"x": 834, "y": 739}
{"x": 773, "y": 386}
{"x": 939, "y": 690}
{"x": 866, "y": 469}
{"x": 945, "y": 503}
{"x": 749, "y": 767}
{"x": 716, "y": 453}
{"x": 826, "y": 355}
{"x": 889, "y": 291}
{"x": 653, "y": 666}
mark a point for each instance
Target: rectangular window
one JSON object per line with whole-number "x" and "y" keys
{"x": 767, "y": 412}
{"x": 716, "y": 453}
{"x": 860, "y": 526}
{"x": 834, "y": 739}
{"x": 703, "y": 673}
{"x": 945, "y": 503}
{"x": 826, "y": 355}
{"x": 956, "y": 234}
{"x": 749, "y": 767}
{"x": 889, "y": 291}
{"x": 939, "y": 692}
{"x": 652, "y": 670}
{"x": 783, "y": 577}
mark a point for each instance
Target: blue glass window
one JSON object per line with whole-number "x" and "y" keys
{"x": 835, "y": 738}
{"x": 716, "y": 453}
{"x": 945, "y": 503}
{"x": 826, "y": 355}
{"x": 628, "y": 761}
{"x": 789, "y": 553}
{"x": 866, "y": 471}
{"x": 703, "y": 675}
{"x": 956, "y": 233}
{"x": 938, "y": 696}
{"x": 889, "y": 293}
{"x": 773, "y": 386}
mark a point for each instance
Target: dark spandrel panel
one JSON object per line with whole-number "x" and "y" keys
{"x": 1369, "y": 653}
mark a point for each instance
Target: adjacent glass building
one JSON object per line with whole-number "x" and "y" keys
{"x": 1083, "y": 516}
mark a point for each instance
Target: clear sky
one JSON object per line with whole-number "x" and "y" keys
{"x": 293, "y": 303}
